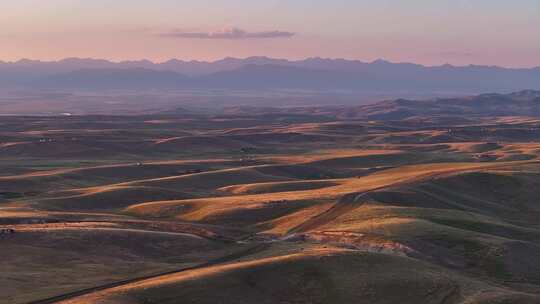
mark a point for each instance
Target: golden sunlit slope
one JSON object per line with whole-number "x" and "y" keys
{"x": 42, "y": 182}
{"x": 40, "y": 261}
{"x": 482, "y": 222}
{"x": 190, "y": 183}
{"x": 311, "y": 276}
{"x": 258, "y": 188}
{"x": 271, "y": 209}
{"x": 213, "y": 207}
{"x": 172, "y": 187}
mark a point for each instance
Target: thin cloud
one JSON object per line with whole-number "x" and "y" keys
{"x": 228, "y": 34}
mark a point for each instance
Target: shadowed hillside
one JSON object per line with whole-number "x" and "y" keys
{"x": 400, "y": 201}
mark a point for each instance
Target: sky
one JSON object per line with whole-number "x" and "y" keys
{"x": 431, "y": 32}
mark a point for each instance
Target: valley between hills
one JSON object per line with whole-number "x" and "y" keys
{"x": 396, "y": 202}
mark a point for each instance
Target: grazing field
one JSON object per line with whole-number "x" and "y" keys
{"x": 281, "y": 208}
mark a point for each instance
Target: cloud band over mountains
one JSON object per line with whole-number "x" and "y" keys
{"x": 228, "y": 34}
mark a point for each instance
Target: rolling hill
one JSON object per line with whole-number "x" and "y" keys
{"x": 300, "y": 205}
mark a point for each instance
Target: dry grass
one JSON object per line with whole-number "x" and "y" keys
{"x": 200, "y": 209}
{"x": 286, "y": 209}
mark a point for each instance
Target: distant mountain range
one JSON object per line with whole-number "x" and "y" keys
{"x": 267, "y": 73}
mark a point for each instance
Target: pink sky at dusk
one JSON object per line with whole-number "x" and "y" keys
{"x": 492, "y": 32}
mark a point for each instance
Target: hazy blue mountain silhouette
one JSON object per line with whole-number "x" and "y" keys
{"x": 263, "y": 72}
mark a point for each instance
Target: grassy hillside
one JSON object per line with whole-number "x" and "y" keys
{"x": 269, "y": 209}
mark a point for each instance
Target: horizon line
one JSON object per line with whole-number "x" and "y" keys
{"x": 145, "y": 60}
